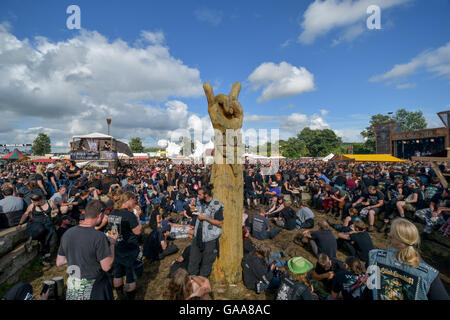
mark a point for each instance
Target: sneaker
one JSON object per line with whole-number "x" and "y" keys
{"x": 28, "y": 245}
{"x": 371, "y": 229}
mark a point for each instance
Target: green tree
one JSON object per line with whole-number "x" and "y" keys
{"x": 311, "y": 143}
{"x": 410, "y": 120}
{"x": 136, "y": 145}
{"x": 41, "y": 145}
{"x": 318, "y": 142}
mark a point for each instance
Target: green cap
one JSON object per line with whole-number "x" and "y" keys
{"x": 299, "y": 265}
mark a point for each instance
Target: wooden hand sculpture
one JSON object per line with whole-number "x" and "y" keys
{"x": 225, "y": 111}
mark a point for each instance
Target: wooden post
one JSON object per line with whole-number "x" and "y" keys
{"x": 439, "y": 174}
{"x": 226, "y": 114}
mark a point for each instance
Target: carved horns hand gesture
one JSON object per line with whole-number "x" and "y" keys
{"x": 225, "y": 111}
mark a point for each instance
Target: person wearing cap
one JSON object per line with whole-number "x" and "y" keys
{"x": 411, "y": 200}
{"x": 296, "y": 286}
{"x": 399, "y": 273}
{"x": 274, "y": 191}
{"x": 437, "y": 213}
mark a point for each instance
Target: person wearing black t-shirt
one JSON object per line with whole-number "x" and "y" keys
{"x": 358, "y": 242}
{"x": 127, "y": 225}
{"x": 350, "y": 284}
{"x": 324, "y": 272}
{"x": 73, "y": 173}
{"x": 287, "y": 218}
{"x": 373, "y": 202}
{"x": 322, "y": 240}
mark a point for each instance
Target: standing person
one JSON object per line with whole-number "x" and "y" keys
{"x": 402, "y": 275}
{"x": 208, "y": 228}
{"x": 89, "y": 256}
{"x": 72, "y": 172}
{"x": 127, "y": 225}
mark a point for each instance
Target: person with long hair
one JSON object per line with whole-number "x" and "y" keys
{"x": 350, "y": 284}
{"x": 399, "y": 272}
{"x": 183, "y": 286}
{"x": 127, "y": 225}
{"x": 297, "y": 285}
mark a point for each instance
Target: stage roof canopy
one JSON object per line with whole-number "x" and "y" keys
{"x": 368, "y": 158}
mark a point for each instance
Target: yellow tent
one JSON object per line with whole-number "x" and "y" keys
{"x": 369, "y": 157}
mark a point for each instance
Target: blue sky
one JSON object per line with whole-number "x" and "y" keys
{"x": 301, "y": 63}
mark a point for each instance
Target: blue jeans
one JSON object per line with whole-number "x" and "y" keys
{"x": 275, "y": 257}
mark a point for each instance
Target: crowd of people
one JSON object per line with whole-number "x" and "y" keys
{"x": 93, "y": 219}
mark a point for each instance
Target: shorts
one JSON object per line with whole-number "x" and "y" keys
{"x": 125, "y": 266}
{"x": 120, "y": 271}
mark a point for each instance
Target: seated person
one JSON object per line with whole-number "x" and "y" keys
{"x": 371, "y": 203}
{"x": 287, "y": 218}
{"x": 437, "y": 213}
{"x": 324, "y": 272}
{"x": 249, "y": 247}
{"x": 296, "y": 286}
{"x": 59, "y": 198}
{"x": 348, "y": 221}
{"x": 356, "y": 242}
{"x": 258, "y": 275}
{"x": 11, "y": 208}
{"x": 181, "y": 262}
{"x": 156, "y": 246}
{"x": 275, "y": 208}
{"x": 261, "y": 227}
{"x": 305, "y": 217}
{"x": 412, "y": 198}
{"x": 274, "y": 191}
{"x": 320, "y": 241}
{"x": 340, "y": 198}
{"x": 350, "y": 284}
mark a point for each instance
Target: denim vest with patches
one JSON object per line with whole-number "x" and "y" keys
{"x": 210, "y": 231}
{"x": 399, "y": 281}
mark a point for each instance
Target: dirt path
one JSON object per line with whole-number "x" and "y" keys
{"x": 154, "y": 279}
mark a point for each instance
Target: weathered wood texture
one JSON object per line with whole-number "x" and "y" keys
{"x": 227, "y": 179}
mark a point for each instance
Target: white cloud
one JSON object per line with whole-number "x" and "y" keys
{"x": 280, "y": 81}
{"x": 211, "y": 16}
{"x": 435, "y": 61}
{"x": 349, "y": 135}
{"x": 323, "y": 16}
{"x": 72, "y": 86}
{"x": 153, "y": 37}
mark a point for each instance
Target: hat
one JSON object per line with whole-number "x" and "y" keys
{"x": 274, "y": 184}
{"x": 411, "y": 182}
{"x": 299, "y": 265}
{"x": 51, "y": 166}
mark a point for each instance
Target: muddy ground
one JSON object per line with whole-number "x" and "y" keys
{"x": 154, "y": 280}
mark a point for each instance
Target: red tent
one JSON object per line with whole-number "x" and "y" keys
{"x": 14, "y": 155}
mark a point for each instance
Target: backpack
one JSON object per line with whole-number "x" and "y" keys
{"x": 288, "y": 289}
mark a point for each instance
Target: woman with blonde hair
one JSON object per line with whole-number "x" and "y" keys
{"x": 399, "y": 272}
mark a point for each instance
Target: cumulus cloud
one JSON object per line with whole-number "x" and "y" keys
{"x": 70, "y": 87}
{"x": 293, "y": 123}
{"x": 350, "y": 16}
{"x": 436, "y": 62}
{"x": 349, "y": 135}
{"x": 281, "y": 81}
